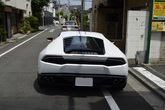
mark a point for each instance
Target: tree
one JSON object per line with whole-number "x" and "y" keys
{"x": 61, "y": 13}
{"x": 72, "y": 10}
{"x": 57, "y": 14}
{"x": 3, "y": 31}
{"x": 2, "y": 7}
{"x": 71, "y": 15}
{"x": 66, "y": 17}
{"x": 37, "y": 7}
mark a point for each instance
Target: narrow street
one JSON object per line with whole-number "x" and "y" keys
{"x": 19, "y": 89}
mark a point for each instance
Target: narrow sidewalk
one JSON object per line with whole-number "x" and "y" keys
{"x": 13, "y": 39}
{"x": 153, "y": 76}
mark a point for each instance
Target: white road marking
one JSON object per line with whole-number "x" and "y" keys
{"x": 110, "y": 100}
{"x": 158, "y": 81}
{"x": 52, "y": 30}
{"x": 20, "y": 44}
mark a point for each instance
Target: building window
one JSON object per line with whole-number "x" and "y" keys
{"x": 114, "y": 26}
{"x": 26, "y": 6}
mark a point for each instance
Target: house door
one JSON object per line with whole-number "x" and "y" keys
{"x": 9, "y": 33}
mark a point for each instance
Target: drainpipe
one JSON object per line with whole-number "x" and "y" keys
{"x": 149, "y": 33}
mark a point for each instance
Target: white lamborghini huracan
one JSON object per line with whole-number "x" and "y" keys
{"x": 82, "y": 59}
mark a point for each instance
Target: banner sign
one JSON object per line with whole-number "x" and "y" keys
{"x": 158, "y": 10}
{"x": 158, "y": 26}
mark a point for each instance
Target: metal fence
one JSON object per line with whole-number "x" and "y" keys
{"x": 47, "y": 19}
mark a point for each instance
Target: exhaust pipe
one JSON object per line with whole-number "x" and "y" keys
{"x": 118, "y": 82}
{"x": 49, "y": 80}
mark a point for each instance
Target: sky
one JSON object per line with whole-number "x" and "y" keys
{"x": 87, "y": 5}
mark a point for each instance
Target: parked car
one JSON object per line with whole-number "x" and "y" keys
{"x": 70, "y": 26}
{"x": 80, "y": 58}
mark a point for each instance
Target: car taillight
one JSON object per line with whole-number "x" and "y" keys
{"x": 63, "y": 26}
{"x": 53, "y": 59}
{"x": 115, "y": 61}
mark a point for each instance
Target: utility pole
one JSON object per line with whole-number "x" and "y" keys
{"x": 59, "y": 10}
{"x": 54, "y": 8}
{"x": 82, "y": 14}
{"x": 69, "y": 4}
{"x": 68, "y": 10}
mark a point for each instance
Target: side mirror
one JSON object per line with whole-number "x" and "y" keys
{"x": 49, "y": 39}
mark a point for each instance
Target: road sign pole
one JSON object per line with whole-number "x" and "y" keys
{"x": 149, "y": 33}
{"x": 43, "y": 18}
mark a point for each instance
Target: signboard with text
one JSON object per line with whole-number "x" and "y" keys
{"x": 158, "y": 10}
{"x": 158, "y": 26}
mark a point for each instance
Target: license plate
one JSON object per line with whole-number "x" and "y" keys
{"x": 79, "y": 81}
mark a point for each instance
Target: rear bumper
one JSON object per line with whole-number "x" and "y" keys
{"x": 69, "y": 79}
{"x": 77, "y": 69}
{"x": 65, "y": 29}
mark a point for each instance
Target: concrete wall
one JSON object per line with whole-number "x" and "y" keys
{"x": 20, "y": 5}
{"x": 28, "y": 11}
{"x": 50, "y": 8}
{"x": 157, "y": 47}
{"x": 162, "y": 47}
{"x": 10, "y": 3}
{"x": 137, "y": 32}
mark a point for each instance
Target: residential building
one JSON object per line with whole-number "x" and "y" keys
{"x": 14, "y": 12}
{"x": 50, "y": 8}
{"x": 48, "y": 14}
{"x": 127, "y": 23}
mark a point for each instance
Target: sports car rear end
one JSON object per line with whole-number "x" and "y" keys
{"x": 82, "y": 59}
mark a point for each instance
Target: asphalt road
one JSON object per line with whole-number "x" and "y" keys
{"x": 19, "y": 89}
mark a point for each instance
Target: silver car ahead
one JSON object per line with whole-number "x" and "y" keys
{"x": 70, "y": 26}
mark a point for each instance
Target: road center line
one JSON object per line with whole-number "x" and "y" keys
{"x": 52, "y": 30}
{"x": 20, "y": 44}
{"x": 110, "y": 100}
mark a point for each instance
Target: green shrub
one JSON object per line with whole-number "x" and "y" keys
{"x": 2, "y": 7}
{"x": 34, "y": 23}
{"x": 3, "y": 33}
{"x": 24, "y": 26}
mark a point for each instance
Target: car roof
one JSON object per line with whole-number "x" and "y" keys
{"x": 82, "y": 33}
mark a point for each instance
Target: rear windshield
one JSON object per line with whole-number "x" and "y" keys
{"x": 70, "y": 23}
{"x": 84, "y": 45}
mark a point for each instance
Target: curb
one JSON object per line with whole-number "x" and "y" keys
{"x": 12, "y": 39}
{"x": 2, "y": 43}
{"x": 149, "y": 84}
